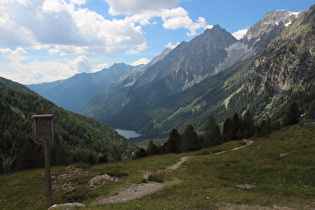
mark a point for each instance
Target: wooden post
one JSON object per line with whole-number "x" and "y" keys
{"x": 47, "y": 172}
{"x": 44, "y": 130}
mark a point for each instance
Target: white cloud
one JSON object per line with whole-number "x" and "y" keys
{"x": 240, "y": 33}
{"x": 81, "y": 64}
{"x": 118, "y": 7}
{"x": 33, "y": 71}
{"x": 140, "y": 61}
{"x": 79, "y": 2}
{"x": 208, "y": 27}
{"x": 9, "y": 52}
{"x": 66, "y": 28}
{"x": 99, "y": 67}
{"x": 18, "y": 66}
{"x": 171, "y": 46}
{"x": 178, "y": 18}
{"x": 142, "y": 11}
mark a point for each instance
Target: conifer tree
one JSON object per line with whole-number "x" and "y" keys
{"x": 212, "y": 133}
{"x": 189, "y": 140}
{"x": 265, "y": 127}
{"x": 173, "y": 142}
{"x": 141, "y": 153}
{"x": 152, "y": 149}
{"x": 248, "y": 125}
{"x": 235, "y": 130}
{"x": 227, "y": 129}
{"x": 293, "y": 115}
{"x": 311, "y": 111}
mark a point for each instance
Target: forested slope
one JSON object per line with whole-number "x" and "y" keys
{"x": 81, "y": 138}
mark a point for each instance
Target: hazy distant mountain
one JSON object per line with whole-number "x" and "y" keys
{"x": 72, "y": 92}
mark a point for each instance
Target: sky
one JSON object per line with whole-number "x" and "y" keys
{"x": 49, "y": 40}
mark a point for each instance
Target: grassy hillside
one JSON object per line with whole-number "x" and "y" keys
{"x": 281, "y": 167}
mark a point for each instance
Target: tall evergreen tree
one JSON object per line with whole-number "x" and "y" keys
{"x": 152, "y": 149}
{"x": 293, "y": 115}
{"x": 227, "y": 129}
{"x": 189, "y": 140}
{"x": 173, "y": 142}
{"x": 265, "y": 127}
{"x": 141, "y": 153}
{"x": 235, "y": 130}
{"x": 212, "y": 133}
{"x": 248, "y": 125}
{"x": 311, "y": 111}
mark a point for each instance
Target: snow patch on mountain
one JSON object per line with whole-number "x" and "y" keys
{"x": 236, "y": 52}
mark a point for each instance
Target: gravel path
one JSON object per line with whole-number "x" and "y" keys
{"x": 132, "y": 192}
{"x": 140, "y": 190}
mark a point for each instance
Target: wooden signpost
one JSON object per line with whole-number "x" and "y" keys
{"x": 44, "y": 130}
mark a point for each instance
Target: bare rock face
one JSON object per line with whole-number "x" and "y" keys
{"x": 269, "y": 27}
{"x": 284, "y": 69}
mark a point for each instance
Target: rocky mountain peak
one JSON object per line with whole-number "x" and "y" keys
{"x": 269, "y": 27}
{"x": 286, "y": 65}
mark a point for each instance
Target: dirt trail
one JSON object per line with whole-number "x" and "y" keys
{"x": 140, "y": 190}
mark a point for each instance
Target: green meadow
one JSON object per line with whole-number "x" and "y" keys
{"x": 281, "y": 168}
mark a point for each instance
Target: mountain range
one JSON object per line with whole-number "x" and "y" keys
{"x": 213, "y": 74}
{"x": 72, "y": 92}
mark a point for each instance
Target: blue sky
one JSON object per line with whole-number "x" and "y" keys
{"x": 48, "y": 40}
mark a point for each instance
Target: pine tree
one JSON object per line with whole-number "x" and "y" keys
{"x": 189, "y": 140}
{"x": 293, "y": 115}
{"x": 173, "y": 142}
{"x": 152, "y": 149}
{"x": 248, "y": 125}
{"x": 227, "y": 129}
{"x": 212, "y": 133}
{"x": 311, "y": 111}
{"x": 141, "y": 153}
{"x": 265, "y": 127}
{"x": 235, "y": 130}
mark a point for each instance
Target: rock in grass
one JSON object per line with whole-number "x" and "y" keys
{"x": 246, "y": 186}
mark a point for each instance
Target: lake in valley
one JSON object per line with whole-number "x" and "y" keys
{"x": 128, "y": 133}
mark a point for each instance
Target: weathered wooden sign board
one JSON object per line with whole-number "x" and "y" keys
{"x": 44, "y": 126}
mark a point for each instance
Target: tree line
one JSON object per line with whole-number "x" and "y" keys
{"x": 236, "y": 128}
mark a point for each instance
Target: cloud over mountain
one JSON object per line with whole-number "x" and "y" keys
{"x": 118, "y": 7}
